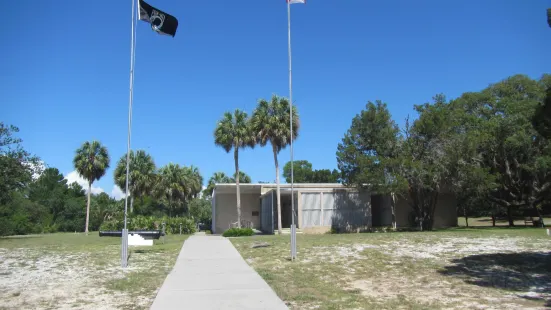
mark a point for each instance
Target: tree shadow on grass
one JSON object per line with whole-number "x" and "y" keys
{"x": 528, "y": 273}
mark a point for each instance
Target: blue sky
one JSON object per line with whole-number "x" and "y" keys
{"x": 65, "y": 70}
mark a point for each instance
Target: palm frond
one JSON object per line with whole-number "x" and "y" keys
{"x": 234, "y": 131}
{"x": 270, "y": 122}
{"x": 91, "y": 160}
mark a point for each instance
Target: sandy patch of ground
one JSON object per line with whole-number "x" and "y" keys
{"x": 422, "y": 270}
{"x": 442, "y": 249}
{"x": 31, "y": 279}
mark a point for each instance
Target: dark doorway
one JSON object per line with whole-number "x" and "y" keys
{"x": 381, "y": 215}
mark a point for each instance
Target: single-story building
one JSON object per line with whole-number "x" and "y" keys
{"x": 318, "y": 208}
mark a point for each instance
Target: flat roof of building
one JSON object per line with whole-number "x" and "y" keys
{"x": 250, "y": 188}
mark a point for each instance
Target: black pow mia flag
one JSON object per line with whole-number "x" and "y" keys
{"x": 160, "y": 21}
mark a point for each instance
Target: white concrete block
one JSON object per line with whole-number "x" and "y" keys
{"x": 137, "y": 240}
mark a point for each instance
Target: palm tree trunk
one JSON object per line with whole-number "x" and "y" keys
{"x": 237, "y": 191}
{"x": 88, "y": 207}
{"x": 131, "y": 204}
{"x": 279, "y": 231}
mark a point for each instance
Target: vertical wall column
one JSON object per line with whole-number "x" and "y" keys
{"x": 299, "y": 209}
{"x": 213, "y": 215}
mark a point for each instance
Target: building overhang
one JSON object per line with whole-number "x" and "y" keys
{"x": 259, "y": 188}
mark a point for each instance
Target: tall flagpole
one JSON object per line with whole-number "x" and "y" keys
{"x": 124, "y": 254}
{"x": 293, "y": 227}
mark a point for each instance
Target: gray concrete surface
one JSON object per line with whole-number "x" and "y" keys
{"x": 210, "y": 274}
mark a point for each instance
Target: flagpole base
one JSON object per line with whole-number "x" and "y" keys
{"x": 124, "y": 250}
{"x": 293, "y": 242}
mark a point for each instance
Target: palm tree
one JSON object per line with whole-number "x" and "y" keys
{"x": 91, "y": 161}
{"x": 142, "y": 174}
{"x": 217, "y": 178}
{"x": 171, "y": 186}
{"x": 243, "y": 178}
{"x": 233, "y": 131}
{"x": 193, "y": 181}
{"x": 270, "y": 122}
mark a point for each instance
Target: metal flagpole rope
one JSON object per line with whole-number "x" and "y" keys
{"x": 124, "y": 251}
{"x": 293, "y": 226}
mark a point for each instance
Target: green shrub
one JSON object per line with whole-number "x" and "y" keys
{"x": 141, "y": 222}
{"x": 238, "y": 232}
{"x": 49, "y": 229}
{"x": 112, "y": 224}
{"x": 333, "y": 230}
{"x": 152, "y": 223}
{"x": 173, "y": 225}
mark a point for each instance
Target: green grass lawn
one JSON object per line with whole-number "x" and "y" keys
{"x": 81, "y": 272}
{"x": 459, "y": 268}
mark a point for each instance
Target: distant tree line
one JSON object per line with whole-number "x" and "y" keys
{"x": 491, "y": 148}
{"x": 303, "y": 173}
{"x": 34, "y": 199}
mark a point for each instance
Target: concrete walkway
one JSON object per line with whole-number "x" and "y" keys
{"x": 210, "y": 274}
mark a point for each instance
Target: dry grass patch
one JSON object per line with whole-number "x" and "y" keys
{"x": 455, "y": 269}
{"x": 75, "y": 271}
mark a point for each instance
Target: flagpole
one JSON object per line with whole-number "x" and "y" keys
{"x": 124, "y": 254}
{"x": 293, "y": 227}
